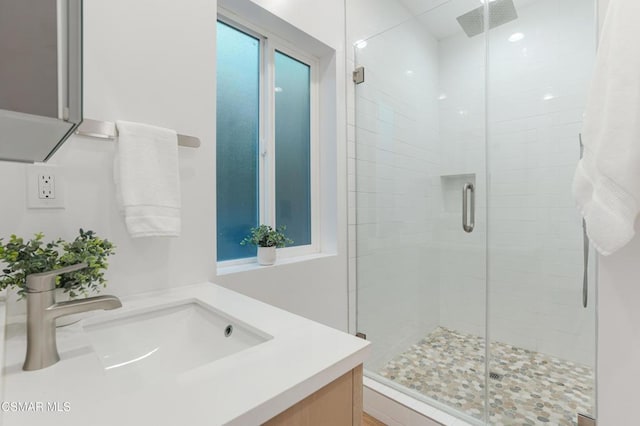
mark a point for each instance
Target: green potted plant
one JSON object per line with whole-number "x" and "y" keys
{"x": 267, "y": 240}
{"x": 22, "y": 258}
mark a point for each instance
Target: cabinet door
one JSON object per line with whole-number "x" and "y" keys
{"x": 339, "y": 403}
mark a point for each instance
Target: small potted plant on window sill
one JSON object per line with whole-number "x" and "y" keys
{"x": 267, "y": 240}
{"x": 22, "y": 258}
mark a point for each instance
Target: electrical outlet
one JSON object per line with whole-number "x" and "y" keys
{"x": 46, "y": 186}
{"x": 45, "y": 189}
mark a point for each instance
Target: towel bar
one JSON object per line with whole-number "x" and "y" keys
{"x": 107, "y": 130}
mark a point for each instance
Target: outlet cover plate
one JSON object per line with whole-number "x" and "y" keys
{"x": 34, "y": 201}
{"x": 46, "y": 185}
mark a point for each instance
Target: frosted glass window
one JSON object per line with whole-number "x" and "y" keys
{"x": 293, "y": 147}
{"x": 274, "y": 188}
{"x": 238, "y": 111}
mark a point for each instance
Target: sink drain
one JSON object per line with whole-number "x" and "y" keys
{"x": 228, "y": 330}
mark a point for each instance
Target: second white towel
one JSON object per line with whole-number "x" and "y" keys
{"x": 147, "y": 179}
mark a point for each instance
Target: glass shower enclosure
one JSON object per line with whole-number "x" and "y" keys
{"x": 472, "y": 280}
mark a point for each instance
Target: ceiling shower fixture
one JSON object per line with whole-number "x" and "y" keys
{"x": 500, "y": 12}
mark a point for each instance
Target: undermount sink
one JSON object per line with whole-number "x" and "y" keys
{"x": 168, "y": 340}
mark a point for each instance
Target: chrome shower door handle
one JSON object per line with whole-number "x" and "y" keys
{"x": 468, "y": 191}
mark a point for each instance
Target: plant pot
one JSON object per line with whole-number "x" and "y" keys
{"x": 66, "y": 320}
{"x": 266, "y": 255}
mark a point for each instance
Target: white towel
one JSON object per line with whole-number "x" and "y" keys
{"x": 606, "y": 185}
{"x": 147, "y": 179}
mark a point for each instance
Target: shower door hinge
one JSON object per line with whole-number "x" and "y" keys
{"x": 584, "y": 420}
{"x": 361, "y": 335}
{"x": 358, "y": 75}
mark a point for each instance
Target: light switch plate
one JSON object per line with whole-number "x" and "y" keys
{"x": 45, "y": 187}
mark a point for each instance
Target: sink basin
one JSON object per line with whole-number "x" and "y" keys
{"x": 168, "y": 340}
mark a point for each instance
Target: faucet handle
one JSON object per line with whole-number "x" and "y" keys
{"x": 45, "y": 281}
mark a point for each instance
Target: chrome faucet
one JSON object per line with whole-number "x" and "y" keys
{"x": 42, "y": 311}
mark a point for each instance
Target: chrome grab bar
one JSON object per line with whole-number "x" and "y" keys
{"x": 585, "y": 248}
{"x": 468, "y": 189}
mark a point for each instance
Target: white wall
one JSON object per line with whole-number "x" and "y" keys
{"x": 618, "y": 327}
{"x": 151, "y": 62}
{"x": 154, "y": 62}
{"x": 316, "y": 288}
{"x": 322, "y": 20}
{"x": 619, "y": 335}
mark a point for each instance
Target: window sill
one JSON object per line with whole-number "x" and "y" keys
{"x": 253, "y": 264}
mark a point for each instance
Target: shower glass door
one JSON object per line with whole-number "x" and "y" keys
{"x": 448, "y": 108}
{"x": 542, "y": 336}
{"x": 420, "y": 140}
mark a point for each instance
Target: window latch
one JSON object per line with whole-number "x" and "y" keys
{"x": 263, "y": 149}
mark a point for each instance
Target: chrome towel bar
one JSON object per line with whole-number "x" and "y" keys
{"x": 108, "y": 130}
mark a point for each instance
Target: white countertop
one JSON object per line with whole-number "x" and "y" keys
{"x": 246, "y": 388}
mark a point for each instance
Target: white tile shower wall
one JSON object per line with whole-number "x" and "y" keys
{"x": 365, "y": 19}
{"x": 462, "y": 150}
{"x": 396, "y": 167}
{"x": 370, "y": 17}
{"x": 535, "y": 250}
{"x": 535, "y": 238}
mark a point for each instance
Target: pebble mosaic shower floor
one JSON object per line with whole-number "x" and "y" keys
{"x": 532, "y": 388}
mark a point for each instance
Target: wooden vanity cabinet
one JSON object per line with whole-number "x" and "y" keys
{"x": 337, "y": 404}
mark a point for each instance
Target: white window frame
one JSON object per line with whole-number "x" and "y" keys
{"x": 269, "y": 44}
